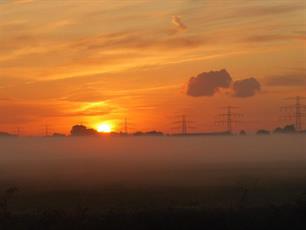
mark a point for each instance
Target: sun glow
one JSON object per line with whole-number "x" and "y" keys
{"x": 104, "y": 128}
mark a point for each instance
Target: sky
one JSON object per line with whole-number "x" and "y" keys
{"x": 92, "y": 62}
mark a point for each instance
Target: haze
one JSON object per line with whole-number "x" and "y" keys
{"x": 92, "y": 163}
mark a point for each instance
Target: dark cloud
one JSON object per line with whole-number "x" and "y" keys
{"x": 287, "y": 80}
{"x": 208, "y": 83}
{"x": 246, "y": 87}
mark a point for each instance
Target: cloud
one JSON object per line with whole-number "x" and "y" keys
{"x": 208, "y": 83}
{"x": 180, "y": 26}
{"x": 286, "y": 80}
{"x": 21, "y": 111}
{"x": 275, "y": 37}
{"x": 268, "y": 38}
{"x": 263, "y": 10}
{"x": 246, "y": 87}
{"x": 96, "y": 54}
{"x": 4, "y": 99}
{"x": 22, "y": 1}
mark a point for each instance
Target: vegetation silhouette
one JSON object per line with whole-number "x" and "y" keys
{"x": 263, "y": 132}
{"x": 242, "y": 133}
{"x": 81, "y": 130}
{"x": 240, "y": 214}
{"x": 6, "y": 134}
{"x": 149, "y": 133}
{"x": 58, "y": 135}
{"x": 287, "y": 129}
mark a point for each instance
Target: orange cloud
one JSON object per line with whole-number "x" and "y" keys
{"x": 180, "y": 26}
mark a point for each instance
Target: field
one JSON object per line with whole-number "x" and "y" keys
{"x": 229, "y": 182}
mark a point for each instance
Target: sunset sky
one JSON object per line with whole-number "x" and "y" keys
{"x": 64, "y": 62}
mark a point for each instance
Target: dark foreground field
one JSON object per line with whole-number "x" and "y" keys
{"x": 153, "y": 183}
{"x": 164, "y": 208}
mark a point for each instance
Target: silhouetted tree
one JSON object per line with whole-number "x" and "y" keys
{"x": 149, "y": 133}
{"x": 289, "y": 129}
{"x": 263, "y": 132}
{"x": 278, "y": 130}
{"x": 81, "y": 130}
{"x": 286, "y": 129}
{"x": 5, "y": 134}
{"x": 58, "y": 135}
{"x": 242, "y": 133}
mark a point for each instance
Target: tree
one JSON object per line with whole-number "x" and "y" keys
{"x": 81, "y": 130}
{"x": 263, "y": 132}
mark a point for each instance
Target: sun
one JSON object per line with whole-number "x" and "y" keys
{"x": 104, "y": 128}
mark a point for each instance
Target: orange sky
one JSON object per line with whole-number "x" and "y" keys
{"x": 66, "y": 62}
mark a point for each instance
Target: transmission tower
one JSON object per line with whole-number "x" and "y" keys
{"x": 229, "y": 118}
{"x": 296, "y": 111}
{"x": 184, "y": 125}
{"x": 46, "y": 130}
{"x": 126, "y": 126}
{"x": 18, "y": 131}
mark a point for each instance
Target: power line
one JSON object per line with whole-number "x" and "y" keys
{"x": 229, "y": 118}
{"x": 184, "y": 125}
{"x": 18, "y": 131}
{"x": 126, "y": 126}
{"x": 46, "y": 130}
{"x": 296, "y": 111}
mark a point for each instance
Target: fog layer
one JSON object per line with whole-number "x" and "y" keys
{"x": 149, "y": 161}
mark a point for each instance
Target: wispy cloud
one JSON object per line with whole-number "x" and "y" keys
{"x": 275, "y": 37}
{"x": 178, "y": 23}
{"x": 287, "y": 80}
{"x": 266, "y": 10}
{"x": 21, "y": 1}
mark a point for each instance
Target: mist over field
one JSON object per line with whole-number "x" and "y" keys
{"x": 96, "y": 163}
{"x": 222, "y": 182}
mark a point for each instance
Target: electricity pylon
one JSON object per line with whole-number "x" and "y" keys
{"x": 47, "y": 130}
{"x": 295, "y": 111}
{"x": 184, "y": 125}
{"x": 126, "y": 126}
{"x": 18, "y": 131}
{"x": 229, "y": 118}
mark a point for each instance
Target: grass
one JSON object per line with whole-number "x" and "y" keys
{"x": 154, "y": 208}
